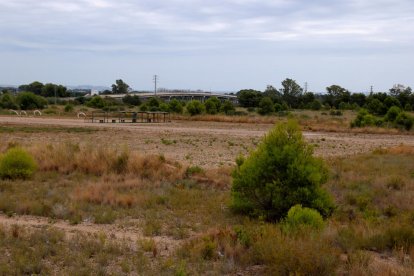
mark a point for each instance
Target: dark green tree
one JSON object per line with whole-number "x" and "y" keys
{"x": 34, "y": 87}
{"x": 336, "y": 95}
{"x": 291, "y": 92}
{"x": 273, "y": 94}
{"x": 120, "y": 87}
{"x": 249, "y": 97}
{"x": 28, "y": 100}
{"x": 131, "y": 100}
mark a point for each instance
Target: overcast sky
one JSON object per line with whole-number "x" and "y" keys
{"x": 219, "y": 45}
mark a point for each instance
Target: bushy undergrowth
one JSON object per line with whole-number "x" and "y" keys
{"x": 281, "y": 173}
{"x": 16, "y": 163}
{"x": 299, "y": 216}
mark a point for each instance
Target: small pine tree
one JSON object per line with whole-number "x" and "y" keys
{"x": 279, "y": 174}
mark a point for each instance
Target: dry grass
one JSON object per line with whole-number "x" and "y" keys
{"x": 252, "y": 119}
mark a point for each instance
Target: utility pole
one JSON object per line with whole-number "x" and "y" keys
{"x": 155, "y": 84}
{"x": 306, "y": 87}
{"x": 372, "y": 89}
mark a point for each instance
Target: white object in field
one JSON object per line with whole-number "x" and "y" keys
{"x": 81, "y": 114}
{"x": 14, "y": 111}
{"x": 37, "y": 112}
{"x": 22, "y": 112}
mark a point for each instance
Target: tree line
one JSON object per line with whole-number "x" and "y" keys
{"x": 292, "y": 96}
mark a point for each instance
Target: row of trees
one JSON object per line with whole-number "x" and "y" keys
{"x": 211, "y": 106}
{"x": 291, "y": 95}
{"x": 45, "y": 90}
{"x": 23, "y": 101}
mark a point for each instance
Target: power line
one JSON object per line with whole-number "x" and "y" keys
{"x": 155, "y": 84}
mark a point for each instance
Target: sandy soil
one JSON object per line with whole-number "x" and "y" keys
{"x": 208, "y": 144}
{"x": 165, "y": 245}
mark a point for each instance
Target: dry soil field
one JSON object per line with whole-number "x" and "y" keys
{"x": 207, "y": 144}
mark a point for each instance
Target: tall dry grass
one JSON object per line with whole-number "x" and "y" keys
{"x": 67, "y": 158}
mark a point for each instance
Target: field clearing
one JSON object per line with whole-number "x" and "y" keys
{"x": 207, "y": 144}
{"x": 154, "y": 199}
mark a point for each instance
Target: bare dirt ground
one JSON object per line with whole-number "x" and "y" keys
{"x": 207, "y": 144}
{"x": 165, "y": 245}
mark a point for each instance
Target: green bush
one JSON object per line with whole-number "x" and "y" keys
{"x": 96, "y": 102}
{"x": 266, "y": 106}
{"x": 8, "y": 101}
{"x": 212, "y": 105}
{"x": 315, "y": 105}
{"x": 364, "y": 119}
{"x": 68, "y": 108}
{"x": 392, "y": 113}
{"x": 404, "y": 120}
{"x": 195, "y": 107}
{"x": 16, "y": 163}
{"x": 175, "y": 106}
{"x": 28, "y": 100}
{"x": 279, "y": 174}
{"x": 298, "y": 216}
{"x": 228, "y": 108}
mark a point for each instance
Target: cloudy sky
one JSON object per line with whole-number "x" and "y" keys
{"x": 219, "y": 45}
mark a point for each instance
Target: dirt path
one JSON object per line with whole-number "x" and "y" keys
{"x": 165, "y": 245}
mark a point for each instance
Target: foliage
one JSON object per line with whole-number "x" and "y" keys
{"x": 273, "y": 93}
{"x": 315, "y": 105}
{"x": 131, "y": 100}
{"x": 392, "y": 114}
{"x": 68, "y": 108}
{"x": 212, "y": 105}
{"x": 298, "y": 216}
{"x": 96, "y": 102}
{"x": 249, "y": 97}
{"x": 175, "y": 106}
{"x": 266, "y": 106}
{"x": 227, "y": 107}
{"x": 404, "y": 120}
{"x": 195, "y": 107}
{"x": 34, "y": 87}
{"x": 28, "y": 100}
{"x": 291, "y": 92}
{"x": 8, "y": 101}
{"x": 16, "y": 163}
{"x": 120, "y": 87}
{"x": 375, "y": 106}
{"x": 52, "y": 90}
{"x": 282, "y": 172}
{"x": 336, "y": 95}
{"x": 364, "y": 119}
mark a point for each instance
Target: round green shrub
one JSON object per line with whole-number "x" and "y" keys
{"x": 16, "y": 163}
{"x": 280, "y": 173}
{"x": 68, "y": 108}
{"x": 392, "y": 113}
{"x": 195, "y": 107}
{"x": 298, "y": 216}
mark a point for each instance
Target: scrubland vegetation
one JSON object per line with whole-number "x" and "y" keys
{"x": 183, "y": 216}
